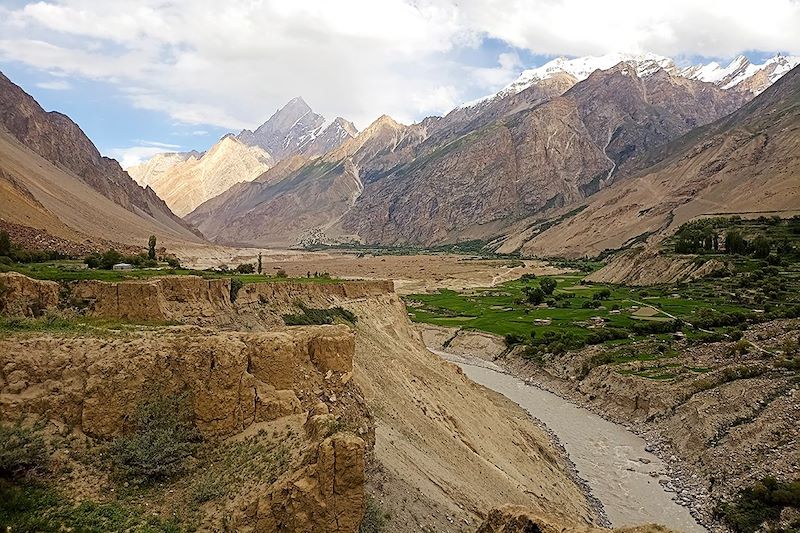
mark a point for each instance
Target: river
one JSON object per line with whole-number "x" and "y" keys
{"x": 610, "y": 458}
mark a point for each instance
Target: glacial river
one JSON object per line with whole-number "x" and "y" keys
{"x": 609, "y": 457}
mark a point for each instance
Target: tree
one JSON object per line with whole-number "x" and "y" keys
{"x": 761, "y": 247}
{"x": 245, "y": 268}
{"x": 548, "y": 285}
{"x": 151, "y": 247}
{"x": 5, "y": 243}
{"x": 535, "y": 295}
{"x": 735, "y": 243}
{"x": 259, "y": 262}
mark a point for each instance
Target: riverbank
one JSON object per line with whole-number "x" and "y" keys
{"x": 723, "y": 422}
{"x": 614, "y": 463}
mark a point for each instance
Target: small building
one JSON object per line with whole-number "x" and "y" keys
{"x": 122, "y": 266}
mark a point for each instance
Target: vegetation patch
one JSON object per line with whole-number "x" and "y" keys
{"x": 313, "y": 316}
{"x": 761, "y": 504}
{"x": 162, "y": 436}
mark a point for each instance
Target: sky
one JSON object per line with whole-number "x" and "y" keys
{"x": 147, "y": 76}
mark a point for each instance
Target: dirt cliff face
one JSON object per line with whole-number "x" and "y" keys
{"x": 434, "y": 454}
{"x": 642, "y": 266}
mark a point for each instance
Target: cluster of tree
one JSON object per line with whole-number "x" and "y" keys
{"x": 11, "y": 252}
{"x": 653, "y": 327}
{"x": 537, "y": 295}
{"x": 111, "y": 257}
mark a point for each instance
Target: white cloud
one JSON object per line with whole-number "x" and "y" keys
{"x": 231, "y": 64}
{"x": 55, "y": 85}
{"x": 133, "y": 155}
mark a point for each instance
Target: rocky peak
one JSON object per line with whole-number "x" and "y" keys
{"x": 297, "y": 129}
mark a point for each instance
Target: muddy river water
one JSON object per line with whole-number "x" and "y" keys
{"x": 620, "y": 473}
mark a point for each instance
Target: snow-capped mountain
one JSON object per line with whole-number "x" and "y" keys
{"x": 580, "y": 68}
{"x": 740, "y": 74}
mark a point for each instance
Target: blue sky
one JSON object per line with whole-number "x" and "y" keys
{"x": 153, "y": 75}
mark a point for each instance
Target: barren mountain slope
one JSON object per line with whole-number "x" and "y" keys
{"x": 748, "y": 162}
{"x": 56, "y": 201}
{"x": 282, "y": 206}
{"x": 60, "y": 141}
{"x": 554, "y": 154}
{"x": 188, "y": 183}
{"x": 151, "y": 170}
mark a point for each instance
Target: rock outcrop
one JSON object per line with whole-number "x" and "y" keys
{"x": 20, "y": 294}
{"x": 519, "y": 519}
{"x": 234, "y": 379}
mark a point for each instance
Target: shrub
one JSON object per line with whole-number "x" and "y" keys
{"x": 151, "y": 248}
{"x": 22, "y": 449}
{"x": 602, "y": 294}
{"x": 534, "y": 295}
{"x": 651, "y": 328}
{"x": 282, "y": 273}
{"x": 246, "y": 268}
{"x": 527, "y": 277}
{"x": 759, "y": 503}
{"x": 375, "y": 520}
{"x": 310, "y": 316}
{"x": 5, "y": 243}
{"x": 162, "y": 437}
{"x": 512, "y": 339}
{"x": 602, "y": 335}
{"x": 173, "y": 262}
{"x": 236, "y": 284}
{"x": 590, "y": 304}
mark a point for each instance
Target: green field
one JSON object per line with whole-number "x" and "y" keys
{"x": 73, "y": 270}
{"x": 502, "y": 309}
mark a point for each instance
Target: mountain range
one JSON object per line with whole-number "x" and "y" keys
{"x": 553, "y": 138}
{"x": 187, "y": 179}
{"x": 573, "y": 157}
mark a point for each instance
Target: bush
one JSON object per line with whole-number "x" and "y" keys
{"x": 236, "y": 284}
{"x": 22, "y": 450}
{"x": 760, "y": 503}
{"x": 375, "y": 520}
{"x": 534, "y": 295}
{"x": 246, "y": 268}
{"x": 162, "y": 437}
{"x": 590, "y": 304}
{"x": 602, "y": 294}
{"x": 173, "y": 262}
{"x": 310, "y": 316}
{"x": 282, "y": 273}
{"x": 512, "y": 339}
{"x": 652, "y": 327}
{"x": 602, "y": 335}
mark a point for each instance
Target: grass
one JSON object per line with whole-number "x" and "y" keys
{"x": 73, "y": 325}
{"x": 311, "y": 316}
{"x": 74, "y": 270}
{"x": 229, "y": 466}
{"x": 30, "y": 507}
{"x": 500, "y": 310}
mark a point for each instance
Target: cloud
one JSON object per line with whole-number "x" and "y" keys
{"x": 232, "y": 64}
{"x": 134, "y": 155}
{"x": 55, "y": 85}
